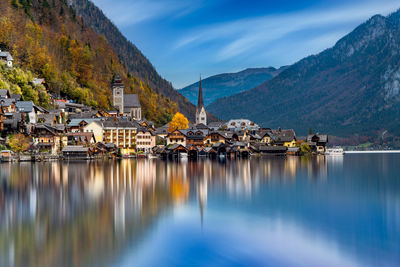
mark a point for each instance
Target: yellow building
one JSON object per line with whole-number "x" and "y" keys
{"x": 95, "y": 127}
{"x": 285, "y": 138}
{"x": 122, "y": 134}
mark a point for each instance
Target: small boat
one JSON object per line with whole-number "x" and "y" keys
{"x": 153, "y": 156}
{"x": 183, "y": 155}
{"x": 337, "y": 151}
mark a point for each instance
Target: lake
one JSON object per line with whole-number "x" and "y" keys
{"x": 294, "y": 211}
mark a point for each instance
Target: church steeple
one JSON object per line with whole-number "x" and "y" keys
{"x": 200, "y": 102}
{"x": 201, "y": 115}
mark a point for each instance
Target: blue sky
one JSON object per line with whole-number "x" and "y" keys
{"x": 183, "y": 38}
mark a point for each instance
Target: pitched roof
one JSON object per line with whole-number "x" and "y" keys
{"x": 17, "y": 97}
{"x": 76, "y": 122}
{"x": 24, "y": 106}
{"x": 4, "y": 92}
{"x": 131, "y": 101}
{"x": 6, "y": 55}
{"x": 75, "y": 149}
{"x": 283, "y": 135}
{"x": 6, "y": 102}
{"x": 120, "y": 124}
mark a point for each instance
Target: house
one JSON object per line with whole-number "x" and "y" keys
{"x": 76, "y": 152}
{"x": 78, "y": 125}
{"x": 49, "y": 138}
{"x": 145, "y": 140}
{"x": 317, "y": 142}
{"x": 83, "y": 139}
{"x": 173, "y": 151}
{"x": 147, "y": 124}
{"x": 12, "y": 123}
{"x": 122, "y": 133}
{"x": 242, "y": 124}
{"x": 195, "y": 137}
{"x": 4, "y": 93}
{"x": 162, "y": 131}
{"x": 176, "y": 137}
{"x": 8, "y": 105}
{"x": 95, "y": 127}
{"x": 215, "y": 137}
{"x": 6, "y": 57}
{"x": 273, "y": 150}
{"x": 28, "y": 108}
{"x": 48, "y": 118}
{"x": 286, "y": 138}
{"x": 265, "y": 136}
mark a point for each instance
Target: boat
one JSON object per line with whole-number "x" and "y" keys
{"x": 337, "y": 151}
{"x": 153, "y": 156}
{"x": 183, "y": 155}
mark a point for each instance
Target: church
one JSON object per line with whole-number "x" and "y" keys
{"x": 201, "y": 115}
{"x": 127, "y": 104}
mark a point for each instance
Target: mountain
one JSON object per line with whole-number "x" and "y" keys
{"x": 47, "y": 39}
{"x": 351, "y": 88}
{"x": 228, "y": 84}
{"x": 133, "y": 59}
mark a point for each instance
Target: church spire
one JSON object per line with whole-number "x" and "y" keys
{"x": 200, "y": 103}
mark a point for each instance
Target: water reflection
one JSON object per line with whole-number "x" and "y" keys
{"x": 92, "y": 212}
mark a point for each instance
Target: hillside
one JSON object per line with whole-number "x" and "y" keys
{"x": 130, "y": 55}
{"x": 352, "y": 88}
{"x": 228, "y": 84}
{"x": 48, "y": 39}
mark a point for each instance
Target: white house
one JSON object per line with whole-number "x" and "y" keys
{"x": 6, "y": 56}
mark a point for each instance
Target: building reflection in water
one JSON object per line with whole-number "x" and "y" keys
{"x": 79, "y": 212}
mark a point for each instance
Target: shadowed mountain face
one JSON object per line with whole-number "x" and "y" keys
{"x": 228, "y": 84}
{"x": 352, "y": 88}
{"x": 130, "y": 55}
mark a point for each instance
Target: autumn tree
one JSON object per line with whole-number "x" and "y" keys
{"x": 179, "y": 122}
{"x": 19, "y": 143}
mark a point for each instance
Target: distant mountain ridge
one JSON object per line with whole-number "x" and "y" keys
{"x": 227, "y": 84}
{"x": 352, "y": 88}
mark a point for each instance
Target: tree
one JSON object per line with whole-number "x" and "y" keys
{"x": 19, "y": 143}
{"x": 179, "y": 122}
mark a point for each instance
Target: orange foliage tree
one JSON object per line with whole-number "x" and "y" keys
{"x": 179, "y": 122}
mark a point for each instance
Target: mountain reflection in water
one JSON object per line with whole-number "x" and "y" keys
{"x": 285, "y": 211}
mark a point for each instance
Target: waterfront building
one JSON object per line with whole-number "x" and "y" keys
{"x": 176, "y": 137}
{"x": 145, "y": 140}
{"x": 122, "y": 133}
{"x": 201, "y": 114}
{"x": 286, "y": 138}
{"x": 317, "y": 142}
{"x": 95, "y": 127}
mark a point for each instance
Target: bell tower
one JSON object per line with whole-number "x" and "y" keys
{"x": 118, "y": 94}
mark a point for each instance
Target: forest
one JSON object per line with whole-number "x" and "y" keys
{"x": 48, "y": 40}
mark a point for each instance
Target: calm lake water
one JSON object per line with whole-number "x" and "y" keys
{"x": 317, "y": 211}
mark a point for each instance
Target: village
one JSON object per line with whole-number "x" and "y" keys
{"x": 76, "y": 131}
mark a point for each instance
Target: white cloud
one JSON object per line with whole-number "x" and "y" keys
{"x": 127, "y": 13}
{"x": 244, "y": 35}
